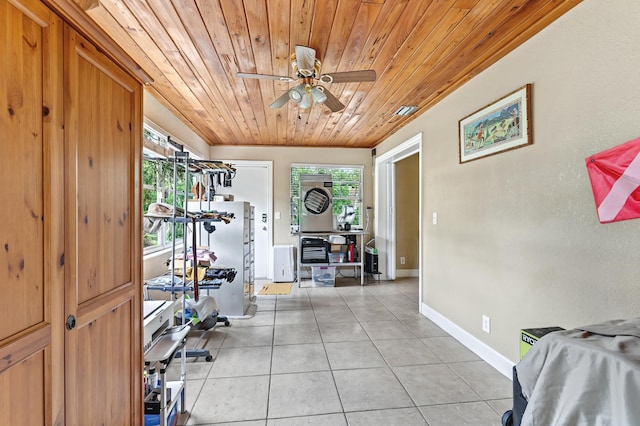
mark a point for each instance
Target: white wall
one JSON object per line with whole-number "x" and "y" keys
{"x": 518, "y": 237}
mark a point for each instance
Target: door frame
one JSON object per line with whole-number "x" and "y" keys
{"x": 385, "y": 218}
{"x": 269, "y": 190}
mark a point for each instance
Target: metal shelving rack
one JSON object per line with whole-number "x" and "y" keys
{"x": 172, "y": 342}
{"x": 162, "y": 352}
{"x": 358, "y": 265}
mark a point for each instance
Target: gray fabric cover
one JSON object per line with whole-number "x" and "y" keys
{"x": 580, "y": 377}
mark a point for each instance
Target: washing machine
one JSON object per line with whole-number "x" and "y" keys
{"x": 316, "y": 210}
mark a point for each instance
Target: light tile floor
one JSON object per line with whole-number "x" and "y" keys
{"x": 335, "y": 356}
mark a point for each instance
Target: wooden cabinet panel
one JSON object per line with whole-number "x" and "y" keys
{"x": 31, "y": 241}
{"x": 103, "y": 372}
{"x": 103, "y": 246}
{"x": 21, "y": 172}
{"x": 71, "y": 243}
{"x": 24, "y": 405}
{"x": 102, "y": 167}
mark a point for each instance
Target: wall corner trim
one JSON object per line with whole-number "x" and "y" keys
{"x": 484, "y": 351}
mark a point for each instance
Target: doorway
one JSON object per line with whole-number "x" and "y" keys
{"x": 253, "y": 183}
{"x": 385, "y": 201}
{"x": 407, "y": 223}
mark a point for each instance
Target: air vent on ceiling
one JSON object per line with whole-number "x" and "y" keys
{"x": 405, "y": 110}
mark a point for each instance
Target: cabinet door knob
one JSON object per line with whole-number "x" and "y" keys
{"x": 71, "y": 322}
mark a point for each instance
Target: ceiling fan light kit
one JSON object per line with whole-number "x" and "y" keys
{"x": 296, "y": 93}
{"x": 318, "y": 95}
{"x": 305, "y": 102}
{"x": 306, "y": 66}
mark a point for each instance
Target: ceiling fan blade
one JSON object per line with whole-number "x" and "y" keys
{"x": 280, "y": 101}
{"x": 263, "y": 76}
{"x": 332, "y": 102}
{"x": 306, "y": 58}
{"x": 349, "y": 76}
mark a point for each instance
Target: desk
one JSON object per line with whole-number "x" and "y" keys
{"x": 165, "y": 346}
{"x": 359, "y": 264}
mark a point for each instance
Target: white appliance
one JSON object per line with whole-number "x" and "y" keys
{"x": 283, "y": 263}
{"x": 233, "y": 245}
{"x": 316, "y": 210}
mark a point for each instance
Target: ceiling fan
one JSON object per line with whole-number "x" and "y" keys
{"x": 308, "y": 92}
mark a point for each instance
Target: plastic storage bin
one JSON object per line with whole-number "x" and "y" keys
{"x": 323, "y": 276}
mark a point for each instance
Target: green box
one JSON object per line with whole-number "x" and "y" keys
{"x": 530, "y": 336}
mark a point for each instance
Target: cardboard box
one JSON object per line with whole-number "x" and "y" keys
{"x": 222, "y": 197}
{"x": 530, "y": 336}
{"x": 249, "y": 289}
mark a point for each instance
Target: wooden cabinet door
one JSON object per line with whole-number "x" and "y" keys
{"x": 31, "y": 218}
{"x": 103, "y": 356}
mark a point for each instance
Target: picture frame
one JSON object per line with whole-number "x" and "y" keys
{"x": 500, "y": 126}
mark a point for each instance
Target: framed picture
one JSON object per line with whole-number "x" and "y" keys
{"x": 503, "y": 125}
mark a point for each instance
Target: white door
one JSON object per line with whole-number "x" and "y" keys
{"x": 252, "y": 183}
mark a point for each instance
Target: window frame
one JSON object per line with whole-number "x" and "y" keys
{"x": 356, "y": 200}
{"x": 156, "y": 145}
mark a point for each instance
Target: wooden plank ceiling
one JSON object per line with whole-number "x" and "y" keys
{"x": 421, "y": 50}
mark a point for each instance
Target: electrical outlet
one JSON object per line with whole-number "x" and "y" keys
{"x": 402, "y": 260}
{"x": 486, "y": 324}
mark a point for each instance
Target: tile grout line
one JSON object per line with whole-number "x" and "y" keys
{"x": 333, "y": 377}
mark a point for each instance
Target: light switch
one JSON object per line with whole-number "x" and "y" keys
{"x": 276, "y": 215}
{"x": 435, "y": 218}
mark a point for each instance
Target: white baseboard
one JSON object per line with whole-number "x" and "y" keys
{"x": 407, "y": 273}
{"x": 492, "y": 357}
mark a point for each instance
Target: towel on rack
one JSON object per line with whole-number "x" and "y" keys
{"x": 205, "y": 257}
{"x": 152, "y": 225}
{"x": 205, "y": 306}
{"x": 202, "y": 272}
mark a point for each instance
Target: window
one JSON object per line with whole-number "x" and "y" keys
{"x": 347, "y": 189}
{"x": 158, "y": 187}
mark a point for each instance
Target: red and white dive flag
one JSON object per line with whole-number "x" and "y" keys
{"x": 615, "y": 181}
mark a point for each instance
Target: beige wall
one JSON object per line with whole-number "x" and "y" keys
{"x": 407, "y": 192}
{"x": 161, "y": 116}
{"x": 517, "y": 237}
{"x": 282, "y": 158}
